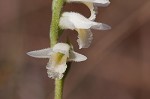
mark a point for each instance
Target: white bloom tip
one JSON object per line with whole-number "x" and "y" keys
{"x": 74, "y": 56}
{"x": 43, "y": 53}
{"x": 29, "y": 53}
{"x": 105, "y": 3}
{"x": 101, "y": 26}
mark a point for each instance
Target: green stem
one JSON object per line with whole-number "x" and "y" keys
{"x": 54, "y": 29}
{"x": 54, "y": 35}
{"x": 58, "y": 88}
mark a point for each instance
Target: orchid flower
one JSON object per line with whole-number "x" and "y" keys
{"x": 76, "y": 21}
{"x": 92, "y": 5}
{"x": 58, "y": 57}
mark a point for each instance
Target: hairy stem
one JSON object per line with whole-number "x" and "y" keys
{"x": 54, "y": 35}
{"x": 54, "y": 29}
{"x": 58, "y": 88}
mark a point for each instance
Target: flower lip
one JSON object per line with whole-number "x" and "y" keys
{"x": 55, "y": 71}
{"x": 85, "y": 38}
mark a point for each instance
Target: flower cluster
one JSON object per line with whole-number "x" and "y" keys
{"x": 61, "y": 53}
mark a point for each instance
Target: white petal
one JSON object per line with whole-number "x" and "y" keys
{"x": 62, "y": 48}
{"x": 43, "y": 53}
{"x": 75, "y": 20}
{"x": 56, "y": 65}
{"x": 60, "y": 68}
{"x": 98, "y": 2}
{"x": 56, "y": 72}
{"x": 85, "y": 38}
{"x": 92, "y": 5}
{"x": 93, "y": 10}
{"x": 101, "y": 3}
{"x": 78, "y": 21}
{"x": 65, "y": 22}
{"x": 101, "y": 26}
{"x": 54, "y": 75}
{"x": 74, "y": 56}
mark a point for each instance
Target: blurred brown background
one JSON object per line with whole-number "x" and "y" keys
{"x": 118, "y": 65}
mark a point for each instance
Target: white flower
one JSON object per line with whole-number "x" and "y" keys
{"x": 58, "y": 56}
{"x": 92, "y": 5}
{"x": 76, "y": 21}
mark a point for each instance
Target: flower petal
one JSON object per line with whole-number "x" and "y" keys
{"x": 92, "y": 5}
{"x": 62, "y": 48}
{"x": 102, "y": 2}
{"x": 65, "y": 22}
{"x": 43, "y": 53}
{"x": 56, "y": 72}
{"x": 85, "y": 38}
{"x": 75, "y": 20}
{"x": 101, "y": 26}
{"x": 57, "y": 65}
{"x": 78, "y": 21}
{"x": 74, "y": 56}
{"x": 93, "y": 10}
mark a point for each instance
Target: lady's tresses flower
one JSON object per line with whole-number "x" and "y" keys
{"x": 92, "y": 5}
{"x": 58, "y": 56}
{"x": 76, "y": 21}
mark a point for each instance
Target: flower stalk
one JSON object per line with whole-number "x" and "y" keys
{"x": 58, "y": 88}
{"x": 54, "y": 28}
{"x": 54, "y": 32}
